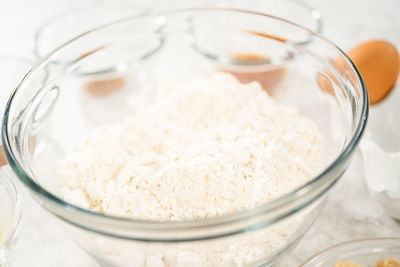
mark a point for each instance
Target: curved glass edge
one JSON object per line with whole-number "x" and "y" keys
{"x": 312, "y": 186}
{"x": 11, "y": 235}
{"x": 141, "y": 10}
{"x": 346, "y": 246}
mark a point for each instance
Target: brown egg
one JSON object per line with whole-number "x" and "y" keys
{"x": 268, "y": 78}
{"x": 329, "y": 83}
{"x": 89, "y": 53}
{"x": 251, "y": 57}
{"x": 2, "y": 157}
{"x": 104, "y": 87}
{"x": 269, "y": 36}
{"x": 379, "y": 63}
{"x": 31, "y": 145}
{"x": 325, "y": 83}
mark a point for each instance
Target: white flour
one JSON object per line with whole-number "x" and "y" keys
{"x": 203, "y": 148}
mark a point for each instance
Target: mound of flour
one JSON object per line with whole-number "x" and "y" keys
{"x": 198, "y": 149}
{"x": 202, "y": 148}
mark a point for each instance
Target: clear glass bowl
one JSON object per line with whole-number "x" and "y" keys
{"x": 365, "y": 252}
{"x": 10, "y": 215}
{"x": 13, "y": 70}
{"x": 55, "y": 105}
{"x": 64, "y": 26}
{"x": 296, "y": 11}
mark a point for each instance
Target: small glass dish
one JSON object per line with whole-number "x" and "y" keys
{"x": 296, "y": 11}
{"x": 10, "y": 215}
{"x": 13, "y": 70}
{"x": 364, "y": 252}
{"x": 77, "y": 20}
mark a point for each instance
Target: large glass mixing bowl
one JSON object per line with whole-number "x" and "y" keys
{"x": 56, "y": 104}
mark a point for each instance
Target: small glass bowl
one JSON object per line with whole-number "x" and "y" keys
{"x": 13, "y": 70}
{"x": 364, "y": 252}
{"x": 68, "y": 24}
{"x": 10, "y": 215}
{"x": 296, "y": 11}
{"x": 71, "y": 23}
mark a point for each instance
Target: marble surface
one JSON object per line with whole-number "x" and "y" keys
{"x": 349, "y": 214}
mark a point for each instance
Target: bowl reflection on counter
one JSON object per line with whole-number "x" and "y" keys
{"x": 58, "y": 110}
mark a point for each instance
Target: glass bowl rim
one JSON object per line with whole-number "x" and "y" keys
{"x": 349, "y": 243}
{"x": 313, "y": 13}
{"x": 272, "y": 205}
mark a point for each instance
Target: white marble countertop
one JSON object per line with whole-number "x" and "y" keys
{"x": 349, "y": 214}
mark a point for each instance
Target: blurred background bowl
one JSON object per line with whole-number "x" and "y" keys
{"x": 296, "y": 11}
{"x": 64, "y": 26}
{"x": 12, "y": 71}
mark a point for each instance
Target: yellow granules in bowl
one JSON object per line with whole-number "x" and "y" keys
{"x": 391, "y": 262}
